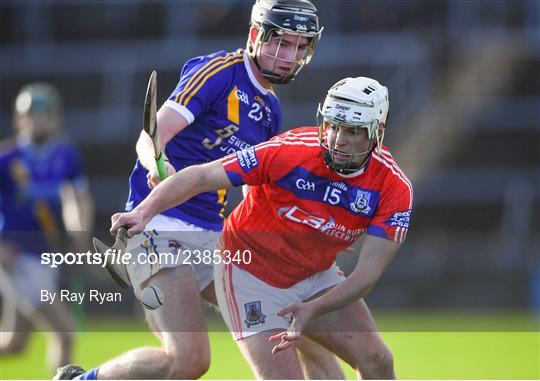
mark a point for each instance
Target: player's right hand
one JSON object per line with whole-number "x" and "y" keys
{"x": 152, "y": 179}
{"x": 133, "y": 221}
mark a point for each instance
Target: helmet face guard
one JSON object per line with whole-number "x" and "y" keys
{"x": 353, "y": 160}
{"x": 276, "y": 19}
{"x": 295, "y": 65}
{"x": 352, "y": 104}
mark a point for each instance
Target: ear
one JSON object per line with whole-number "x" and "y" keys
{"x": 253, "y": 32}
{"x": 382, "y": 126}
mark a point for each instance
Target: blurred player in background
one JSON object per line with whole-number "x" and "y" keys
{"x": 223, "y": 103}
{"x": 43, "y": 191}
{"x": 316, "y": 191}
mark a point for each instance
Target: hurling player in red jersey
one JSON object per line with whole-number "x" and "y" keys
{"x": 316, "y": 190}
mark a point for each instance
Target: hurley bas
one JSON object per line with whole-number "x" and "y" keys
{"x": 94, "y": 296}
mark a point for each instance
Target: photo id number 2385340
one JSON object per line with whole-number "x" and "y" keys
{"x": 216, "y": 257}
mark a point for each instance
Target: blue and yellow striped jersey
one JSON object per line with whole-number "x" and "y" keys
{"x": 31, "y": 178}
{"x": 228, "y": 110}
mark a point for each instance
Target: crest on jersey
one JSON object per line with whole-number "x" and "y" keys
{"x": 254, "y": 313}
{"x": 361, "y": 204}
{"x": 174, "y": 244}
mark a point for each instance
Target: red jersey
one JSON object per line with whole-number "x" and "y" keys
{"x": 300, "y": 213}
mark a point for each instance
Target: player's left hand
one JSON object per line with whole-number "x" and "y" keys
{"x": 134, "y": 221}
{"x": 302, "y": 313}
{"x": 152, "y": 177}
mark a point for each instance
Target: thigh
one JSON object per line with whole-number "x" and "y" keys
{"x": 247, "y": 304}
{"x": 257, "y": 349}
{"x": 349, "y": 332}
{"x": 167, "y": 243}
{"x": 56, "y": 317}
{"x": 317, "y": 362}
{"x": 27, "y": 294}
{"x": 209, "y": 293}
{"x": 15, "y": 328}
{"x": 180, "y": 321}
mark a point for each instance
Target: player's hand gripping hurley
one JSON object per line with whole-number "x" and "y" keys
{"x": 119, "y": 273}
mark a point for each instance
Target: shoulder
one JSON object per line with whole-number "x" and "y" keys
{"x": 302, "y": 140}
{"x": 306, "y": 135}
{"x": 292, "y": 147}
{"x": 10, "y": 150}
{"x": 208, "y": 65}
{"x": 395, "y": 179}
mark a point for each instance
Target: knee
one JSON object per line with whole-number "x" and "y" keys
{"x": 191, "y": 365}
{"x": 378, "y": 364}
{"x": 15, "y": 345}
{"x": 65, "y": 339}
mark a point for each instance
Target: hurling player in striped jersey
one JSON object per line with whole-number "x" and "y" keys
{"x": 223, "y": 102}
{"x": 315, "y": 191}
{"x": 43, "y": 191}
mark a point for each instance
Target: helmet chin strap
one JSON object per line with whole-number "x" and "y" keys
{"x": 348, "y": 167}
{"x": 380, "y": 138}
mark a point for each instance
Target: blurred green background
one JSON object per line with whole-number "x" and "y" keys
{"x": 455, "y": 351}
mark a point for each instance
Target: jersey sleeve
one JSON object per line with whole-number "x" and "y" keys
{"x": 391, "y": 221}
{"x": 202, "y": 83}
{"x": 260, "y": 164}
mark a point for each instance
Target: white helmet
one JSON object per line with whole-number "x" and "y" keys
{"x": 355, "y": 102}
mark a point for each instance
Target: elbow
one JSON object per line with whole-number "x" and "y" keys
{"x": 366, "y": 282}
{"x": 368, "y": 288}
{"x": 370, "y": 283}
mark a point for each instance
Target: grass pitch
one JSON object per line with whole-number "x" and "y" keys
{"x": 428, "y": 346}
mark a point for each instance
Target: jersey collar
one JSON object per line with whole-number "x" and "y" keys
{"x": 252, "y": 75}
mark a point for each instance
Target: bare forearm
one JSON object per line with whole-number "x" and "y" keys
{"x": 353, "y": 288}
{"x": 173, "y": 191}
{"x": 373, "y": 258}
{"x": 169, "y": 124}
{"x": 145, "y": 151}
{"x": 77, "y": 208}
{"x": 86, "y": 210}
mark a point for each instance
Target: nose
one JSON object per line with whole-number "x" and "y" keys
{"x": 341, "y": 139}
{"x": 288, "y": 52}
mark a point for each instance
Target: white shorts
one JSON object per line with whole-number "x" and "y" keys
{"x": 165, "y": 236}
{"x": 27, "y": 278}
{"x": 250, "y": 305}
